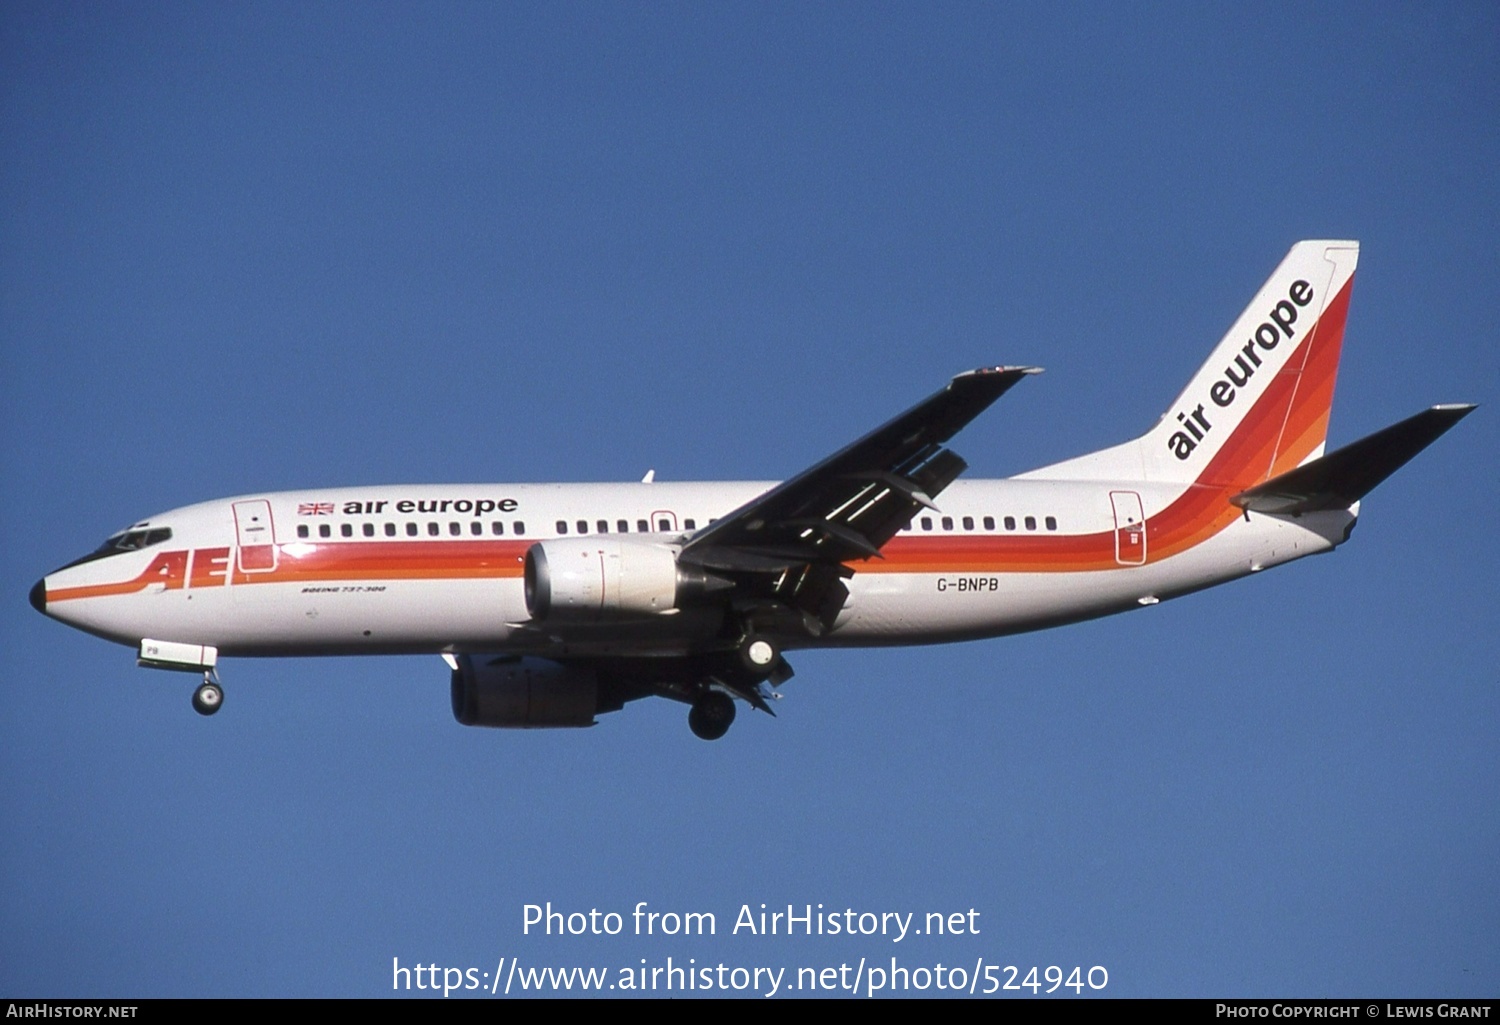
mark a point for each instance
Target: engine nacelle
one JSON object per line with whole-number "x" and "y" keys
{"x": 599, "y": 577}
{"x": 525, "y": 693}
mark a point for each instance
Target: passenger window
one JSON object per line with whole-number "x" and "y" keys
{"x": 301, "y": 530}
{"x": 433, "y": 530}
{"x": 926, "y": 522}
{"x": 1051, "y": 522}
{"x": 690, "y": 524}
{"x": 369, "y": 530}
{"x": 583, "y": 526}
{"x": 968, "y": 523}
{"x": 989, "y": 523}
{"x": 663, "y": 524}
{"x": 411, "y": 530}
{"x": 324, "y": 530}
{"x": 1031, "y": 523}
{"x": 602, "y": 527}
{"x": 1010, "y": 523}
{"x": 497, "y": 527}
{"x": 476, "y": 528}
{"x": 623, "y": 526}
{"x": 947, "y": 522}
{"x": 642, "y": 527}
{"x": 347, "y": 529}
{"x": 390, "y": 530}
{"x": 519, "y": 527}
{"x": 456, "y": 529}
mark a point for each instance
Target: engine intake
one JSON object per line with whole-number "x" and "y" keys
{"x": 526, "y": 693}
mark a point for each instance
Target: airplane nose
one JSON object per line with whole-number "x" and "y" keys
{"x": 39, "y": 595}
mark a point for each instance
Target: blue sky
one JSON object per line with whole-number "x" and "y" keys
{"x": 273, "y": 246}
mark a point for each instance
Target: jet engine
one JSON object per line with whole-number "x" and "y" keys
{"x": 523, "y": 693}
{"x": 601, "y": 577}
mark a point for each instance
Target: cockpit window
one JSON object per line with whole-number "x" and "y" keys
{"x": 133, "y": 540}
{"x": 125, "y": 541}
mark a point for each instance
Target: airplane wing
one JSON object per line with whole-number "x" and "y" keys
{"x": 788, "y": 547}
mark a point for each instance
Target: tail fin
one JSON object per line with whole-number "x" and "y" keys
{"x": 1259, "y": 406}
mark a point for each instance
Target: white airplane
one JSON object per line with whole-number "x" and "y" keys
{"x": 552, "y": 603}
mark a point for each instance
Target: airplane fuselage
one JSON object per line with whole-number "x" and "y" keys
{"x": 439, "y": 568}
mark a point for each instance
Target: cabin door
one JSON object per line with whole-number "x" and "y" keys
{"x": 256, "y": 539}
{"x": 1130, "y": 528}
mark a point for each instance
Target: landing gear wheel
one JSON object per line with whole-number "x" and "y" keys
{"x": 712, "y": 715}
{"x": 758, "y": 654}
{"x": 208, "y": 698}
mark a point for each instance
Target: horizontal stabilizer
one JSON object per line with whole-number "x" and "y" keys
{"x": 1339, "y": 479}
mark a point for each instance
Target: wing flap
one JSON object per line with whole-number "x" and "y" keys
{"x": 793, "y": 540}
{"x": 901, "y": 463}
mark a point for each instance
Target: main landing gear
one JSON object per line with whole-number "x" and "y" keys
{"x": 712, "y": 715}
{"x": 758, "y": 655}
{"x": 756, "y": 660}
{"x": 209, "y": 697}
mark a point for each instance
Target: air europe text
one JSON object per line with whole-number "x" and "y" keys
{"x": 1276, "y": 328}
{"x": 477, "y": 506}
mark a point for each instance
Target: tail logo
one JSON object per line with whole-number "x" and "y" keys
{"x": 1224, "y": 391}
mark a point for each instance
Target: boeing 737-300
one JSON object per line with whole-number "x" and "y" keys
{"x": 554, "y": 603}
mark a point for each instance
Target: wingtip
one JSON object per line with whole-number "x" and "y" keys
{"x": 986, "y": 371}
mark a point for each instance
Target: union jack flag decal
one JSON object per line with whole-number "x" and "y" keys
{"x": 315, "y": 509}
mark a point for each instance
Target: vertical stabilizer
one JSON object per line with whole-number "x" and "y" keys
{"x": 1259, "y": 405}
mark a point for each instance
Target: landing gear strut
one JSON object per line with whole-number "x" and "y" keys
{"x": 209, "y": 697}
{"x": 712, "y": 715}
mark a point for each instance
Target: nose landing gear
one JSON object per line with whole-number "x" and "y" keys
{"x": 209, "y": 697}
